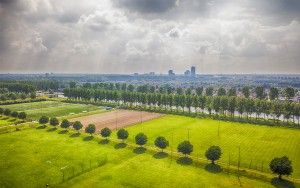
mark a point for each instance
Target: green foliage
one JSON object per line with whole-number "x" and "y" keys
{"x": 289, "y": 92}
{"x": 43, "y": 120}
{"x": 213, "y": 153}
{"x": 122, "y": 134}
{"x": 22, "y": 115}
{"x": 14, "y": 114}
{"x": 105, "y": 132}
{"x": 65, "y": 124}
{"x": 185, "y": 147}
{"x": 281, "y": 166}
{"x": 77, "y": 125}
{"x": 91, "y": 128}
{"x": 161, "y": 142}
{"x": 1, "y": 111}
{"x": 7, "y": 112}
{"x": 54, "y": 121}
{"x": 141, "y": 139}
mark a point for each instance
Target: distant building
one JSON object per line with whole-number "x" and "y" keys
{"x": 152, "y": 73}
{"x": 193, "y": 71}
{"x": 171, "y": 73}
{"x": 136, "y": 74}
{"x": 187, "y": 73}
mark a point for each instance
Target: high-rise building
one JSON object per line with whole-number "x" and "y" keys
{"x": 171, "y": 73}
{"x": 187, "y": 73}
{"x": 193, "y": 71}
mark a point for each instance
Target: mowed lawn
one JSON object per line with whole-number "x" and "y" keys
{"x": 258, "y": 144}
{"x": 35, "y": 157}
{"x": 4, "y": 120}
{"x": 35, "y": 110}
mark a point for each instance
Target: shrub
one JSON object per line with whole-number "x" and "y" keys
{"x": 105, "y": 132}
{"x": 14, "y": 114}
{"x": 185, "y": 148}
{"x": 43, "y": 120}
{"x": 91, "y": 128}
{"x": 161, "y": 142}
{"x": 281, "y": 166}
{"x": 65, "y": 124}
{"x": 1, "y": 111}
{"x": 54, "y": 121}
{"x": 77, "y": 125}
{"x": 122, "y": 134}
{"x": 141, "y": 139}
{"x": 22, "y": 115}
{"x": 7, "y": 112}
{"x": 213, "y": 153}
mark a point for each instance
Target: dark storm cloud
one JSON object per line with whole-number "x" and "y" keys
{"x": 147, "y": 6}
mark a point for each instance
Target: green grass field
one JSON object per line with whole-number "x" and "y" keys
{"x": 4, "y": 121}
{"x": 35, "y": 157}
{"x": 258, "y": 144}
{"x": 51, "y": 108}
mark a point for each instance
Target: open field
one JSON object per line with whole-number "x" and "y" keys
{"x": 116, "y": 119}
{"x": 258, "y": 144}
{"x": 51, "y": 108}
{"x": 40, "y": 156}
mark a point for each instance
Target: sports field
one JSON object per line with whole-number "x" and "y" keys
{"x": 51, "y": 109}
{"x": 116, "y": 119}
{"x": 40, "y": 156}
{"x": 258, "y": 144}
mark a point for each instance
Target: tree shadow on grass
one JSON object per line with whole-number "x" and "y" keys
{"x": 139, "y": 150}
{"x": 63, "y": 132}
{"x": 213, "y": 168}
{"x": 120, "y": 145}
{"x": 52, "y": 129}
{"x": 104, "y": 141}
{"x": 282, "y": 183}
{"x": 160, "y": 155}
{"x": 41, "y": 127}
{"x": 88, "y": 138}
{"x": 75, "y": 135}
{"x": 184, "y": 161}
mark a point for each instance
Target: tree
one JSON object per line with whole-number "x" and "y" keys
{"x": 185, "y": 148}
{"x": 65, "y": 124}
{"x": 161, "y": 142}
{"x": 7, "y": 112}
{"x": 122, "y": 134}
{"x": 32, "y": 95}
{"x": 54, "y": 121}
{"x": 22, "y": 115}
{"x": 246, "y": 91}
{"x": 1, "y": 111}
{"x": 90, "y": 129}
{"x": 14, "y": 114}
{"x": 213, "y": 153}
{"x": 221, "y": 91}
{"x": 72, "y": 84}
{"x": 209, "y": 91}
{"x": 141, "y": 139}
{"x": 289, "y": 92}
{"x": 232, "y": 92}
{"x": 273, "y": 93}
{"x": 77, "y": 126}
{"x": 199, "y": 91}
{"x": 260, "y": 92}
{"x": 281, "y": 166}
{"x": 105, "y": 132}
{"x": 43, "y": 120}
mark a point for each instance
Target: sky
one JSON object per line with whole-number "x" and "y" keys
{"x": 127, "y": 36}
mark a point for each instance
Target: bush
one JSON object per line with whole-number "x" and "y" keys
{"x": 54, "y": 121}
{"x": 105, "y": 132}
{"x": 43, "y": 120}
{"x": 185, "y": 148}
{"x": 1, "y": 111}
{"x": 65, "y": 124}
{"x": 22, "y": 115}
{"x": 141, "y": 139}
{"x": 213, "y": 153}
{"x": 122, "y": 134}
{"x": 281, "y": 166}
{"x": 91, "y": 128}
{"x": 77, "y": 125}
{"x": 14, "y": 114}
{"x": 7, "y": 112}
{"x": 161, "y": 142}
